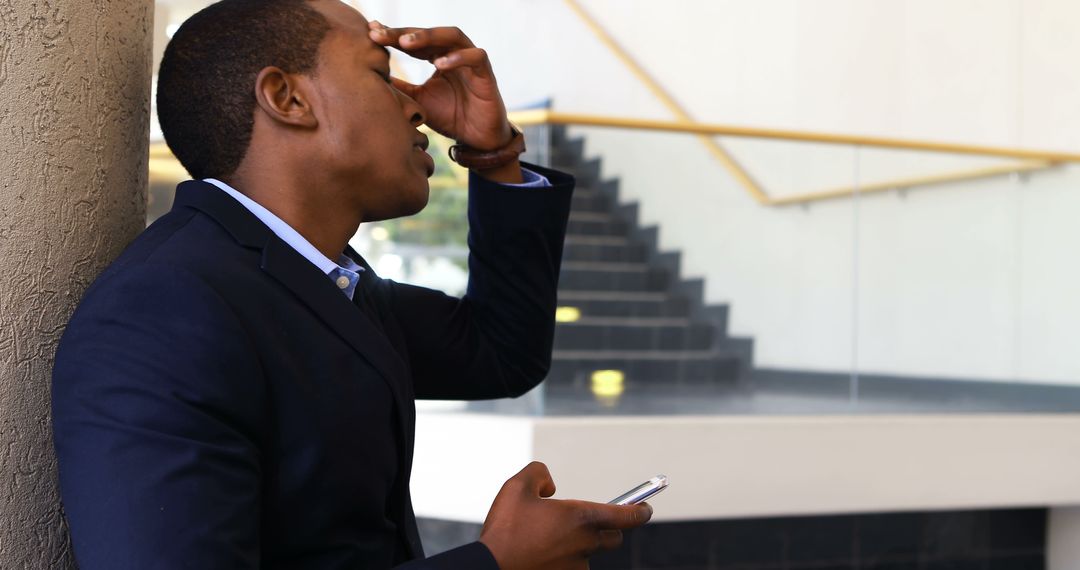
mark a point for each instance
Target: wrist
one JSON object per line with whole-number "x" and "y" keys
{"x": 492, "y": 162}
{"x": 509, "y": 173}
{"x": 511, "y": 131}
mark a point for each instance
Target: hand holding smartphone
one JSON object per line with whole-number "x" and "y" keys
{"x": 524, "y": 530}
{"x": 642, "y": 492}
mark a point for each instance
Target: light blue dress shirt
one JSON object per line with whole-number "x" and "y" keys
{"x": 345, "y": 273}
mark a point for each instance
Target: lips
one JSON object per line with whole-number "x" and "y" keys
{"x": 420, "y": 146}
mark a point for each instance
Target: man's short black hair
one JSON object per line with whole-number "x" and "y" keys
{"x": 206, "y": 83}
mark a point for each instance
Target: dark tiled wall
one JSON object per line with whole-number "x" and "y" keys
{"x": 1011, "y": 539}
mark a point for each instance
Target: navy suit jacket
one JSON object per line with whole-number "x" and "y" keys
{"x": 219, "y": 403}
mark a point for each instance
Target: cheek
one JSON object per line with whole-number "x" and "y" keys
{"x": 354, "y": 144}
{"x": 353, "y": 114}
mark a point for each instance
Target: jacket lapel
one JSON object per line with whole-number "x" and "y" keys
{"x": 343, "y": 317}
{"x": 311, "y": 286}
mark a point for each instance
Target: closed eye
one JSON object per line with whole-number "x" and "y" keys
{"x": 385, "y": 76}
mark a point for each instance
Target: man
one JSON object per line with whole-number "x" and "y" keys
{"x": 236, "y": 390}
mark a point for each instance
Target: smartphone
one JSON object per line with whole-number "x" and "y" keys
{"x": 642, "y": 492}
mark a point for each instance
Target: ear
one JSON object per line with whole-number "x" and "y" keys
{"x": 283, "y": 98}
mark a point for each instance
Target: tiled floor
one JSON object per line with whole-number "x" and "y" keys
{"x": 960, "y": 540}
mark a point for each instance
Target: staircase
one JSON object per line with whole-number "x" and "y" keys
{"x": 636, "y": 316}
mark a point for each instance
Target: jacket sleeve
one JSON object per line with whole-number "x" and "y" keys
{"x": 155, "y": 427}
{"x": 496, "y": 341}
{"x": 474, "y": 556}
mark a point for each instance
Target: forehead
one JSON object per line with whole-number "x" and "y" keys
{"x": 347, "y": 23}
{"x": 342, "y": 16}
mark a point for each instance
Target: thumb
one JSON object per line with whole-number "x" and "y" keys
{"x": 537, "y": 479}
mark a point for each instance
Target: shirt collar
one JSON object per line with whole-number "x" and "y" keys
{"x": 287, "y": 233}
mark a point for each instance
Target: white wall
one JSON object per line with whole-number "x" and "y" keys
{"x": 974, "y": 280}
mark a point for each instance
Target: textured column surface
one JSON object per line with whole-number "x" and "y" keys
{"x": 74, "y": 114}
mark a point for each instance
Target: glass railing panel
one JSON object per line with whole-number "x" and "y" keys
{"x": 959, "y": 298}
{"x": 1047, "y": 306}
{"x": 737, "y": 299}
{"x": 789, "y": 169}
{"x": 804, "y": 251}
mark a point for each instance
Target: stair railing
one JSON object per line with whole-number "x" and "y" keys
{"x": 1027, "y": 160}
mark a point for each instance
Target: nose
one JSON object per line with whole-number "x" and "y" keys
{"x": 412, "y": 109}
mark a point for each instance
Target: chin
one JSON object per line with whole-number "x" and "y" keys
{"x": 416, "y": 201}
{"x": 409, "y": 202}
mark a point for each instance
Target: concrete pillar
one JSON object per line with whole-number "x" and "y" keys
{"x": 74, "y": 108}
{"x": 1063, "y": 539}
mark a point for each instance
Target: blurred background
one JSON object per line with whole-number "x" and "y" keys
{"x": 820, "y": 271}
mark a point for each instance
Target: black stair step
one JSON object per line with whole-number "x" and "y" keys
{"x": 633, "y": 334}
{"x": 622, "y": 253}
{"x": 613, "y": 304}
{"x": 592, "y": 202}
{"x": 568, "y": 152}
{"x": 597, "y": 240}
{"x": 636, "y": 355}
{"x": 587, "y": 277}
{"x": 582, "y": 295}
{"x": 597, "y": 227}
{"x": 629, "y": 317}
{"x": 592, "y": 217}
{"x": 643, "y": 367}
{"x": 612, "y": 266}
{"x": 632, "y": 322}
{"x": 558, "y": 135}
{"x": 586, "y": 172}
{"x": 591, "y": 191}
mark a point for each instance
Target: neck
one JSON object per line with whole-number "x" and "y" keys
{"x": 303, "y": 202}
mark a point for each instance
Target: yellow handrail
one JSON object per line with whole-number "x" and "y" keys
{"x": 1032, "y": 160}
{"x": 1028, "y": 160}
{"x": 899, "y": 183}
{"x": 715, "y": 148}
{"x": 543, "y": 116}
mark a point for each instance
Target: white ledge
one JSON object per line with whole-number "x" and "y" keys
{"x": 754, "y": 466}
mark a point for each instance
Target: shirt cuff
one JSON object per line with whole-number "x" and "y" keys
{"x": 531, "y": 180}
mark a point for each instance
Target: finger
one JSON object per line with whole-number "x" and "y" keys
{"x": 610, "y": 539}
{"x": 386, "y": 36}
{"x": 604, "y": 516}
{"x": 422, "y": 43}
{"x": 473, "y": 58}
{"x": 405, "y": 87}
{"x": 445, "y": 37}
{"x": 537, "y": 479}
